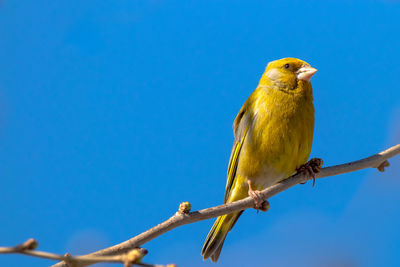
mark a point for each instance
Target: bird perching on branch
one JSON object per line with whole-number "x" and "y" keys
{"x": 273, "y": 137}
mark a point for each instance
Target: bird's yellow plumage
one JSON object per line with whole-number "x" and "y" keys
{"x": 273, "y": 137}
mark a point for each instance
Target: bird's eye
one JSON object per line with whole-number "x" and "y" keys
{"x": 287, "y": 66}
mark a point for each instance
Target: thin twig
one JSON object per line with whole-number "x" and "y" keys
{"x": 128, "y": 259}
{"x": 378, "y": 161}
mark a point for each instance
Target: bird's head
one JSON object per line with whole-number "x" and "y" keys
{"x": 287, "y": 74}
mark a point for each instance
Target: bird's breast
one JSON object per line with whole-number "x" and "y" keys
{"x": 278, "y": 141}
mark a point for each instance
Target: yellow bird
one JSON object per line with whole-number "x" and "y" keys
{"x": 273, "y": 137}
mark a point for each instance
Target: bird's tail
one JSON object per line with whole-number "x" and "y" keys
{"x": 216, "y": 237}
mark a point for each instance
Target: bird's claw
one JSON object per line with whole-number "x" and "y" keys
{"x": 312, "y": 167}
{"x": 259, "y": 202}
{"x": 256, "y": 196}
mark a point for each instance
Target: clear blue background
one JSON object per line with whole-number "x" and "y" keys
{"x": 113, "y": 112}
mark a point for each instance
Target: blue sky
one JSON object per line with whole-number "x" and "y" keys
{"x": 113, "y": 112}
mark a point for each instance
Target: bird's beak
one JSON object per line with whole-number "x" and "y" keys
{"x": 305, "y": 73}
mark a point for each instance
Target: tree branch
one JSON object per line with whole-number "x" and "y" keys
{"x": 183, "y": 217}
{"x": 132, "y": 257}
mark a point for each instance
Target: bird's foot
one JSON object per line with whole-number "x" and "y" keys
{"x": 312, "y": 167}
{"x": 259, "y": 202}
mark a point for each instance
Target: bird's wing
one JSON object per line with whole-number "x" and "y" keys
{"x": 240, "y": 127}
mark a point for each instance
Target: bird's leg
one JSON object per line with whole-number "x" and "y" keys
{"x": 312, "y": 167}
{"x": 259, "y": 202}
